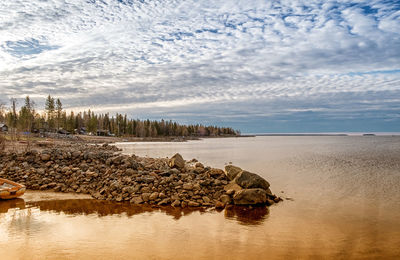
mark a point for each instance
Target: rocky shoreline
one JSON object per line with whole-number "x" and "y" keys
{"x": 106, "y": 174}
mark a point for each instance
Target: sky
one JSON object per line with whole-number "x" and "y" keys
{"x": 258, "y": 66}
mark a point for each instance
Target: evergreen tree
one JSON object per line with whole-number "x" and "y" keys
{"x": 50, "y": 108}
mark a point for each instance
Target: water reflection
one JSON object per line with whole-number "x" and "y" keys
{"x": 243, "y": 215}
{"x": 5, "y": 205}
{"x": 247, "y": 215}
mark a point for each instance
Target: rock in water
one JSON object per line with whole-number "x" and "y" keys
{"x": 248, "y": 180}
{"x": 177, "y": 161}
{"x": 250, "y": 197}
{"x": 231, "y": 171}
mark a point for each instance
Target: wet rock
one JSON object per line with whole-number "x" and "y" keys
{"x": 225, "y": 199}
{"x": 219, "y": 205}
{"x": 250, "y": 197}
{"x": 248, "y": 180}
{"x": 137, "y": 200}
{"x": 164, "y": 202}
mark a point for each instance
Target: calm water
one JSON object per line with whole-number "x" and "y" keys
{"x": 344, "y": 203}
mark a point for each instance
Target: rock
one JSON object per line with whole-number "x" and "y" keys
{"x": 45, "y": 157}
{"x": 199, "y": 165}
{"x": 248, "y": 180}
{"x": 130, "y": 172}
{"x": 137, "y": 200}
{"x": 270, "y": 202}
{"x": 176, "y": 203}
{"x": 187, "y": 186}
{"x": 153, "y": 196}
{"x": 146, "y": 196}
{"x": 232, "y": 187}
{"x": 219, "y": 205}
{"x": 232, "y": 171}
{"x": 193, "y": 204}
{"x": 215, "y": 172}
{"x": 163, "y": 202}
{"x": 76, "y": 154}
{"x": 225, "y": 199}
{"x": 177, "y": 161}
{"x": 250, "y": 197}
{"x": 206, "y": 199}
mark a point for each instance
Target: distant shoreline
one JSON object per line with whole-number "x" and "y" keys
{"x": 329, "y": 134}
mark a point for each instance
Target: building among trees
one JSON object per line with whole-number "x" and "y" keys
{"x": 3, "y": 128}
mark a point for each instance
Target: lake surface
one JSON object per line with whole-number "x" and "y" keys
{"x": 342, "y": 201}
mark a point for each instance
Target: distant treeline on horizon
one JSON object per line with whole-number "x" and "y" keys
{"x": 55, "y": 118}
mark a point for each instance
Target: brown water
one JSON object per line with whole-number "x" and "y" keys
{"x": 344, "y": 203}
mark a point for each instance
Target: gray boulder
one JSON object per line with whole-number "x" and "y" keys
{"x": 231, "y": 171}
{"x": 248, "y": 180}
{"x": 250, "y": 197}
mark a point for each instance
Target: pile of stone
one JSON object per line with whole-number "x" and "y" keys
{"x": 108, "y": 175}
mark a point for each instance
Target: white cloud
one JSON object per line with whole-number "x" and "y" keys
{"x": 136, "y": 55}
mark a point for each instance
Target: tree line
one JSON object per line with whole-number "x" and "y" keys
{"x": 55, "y": 118}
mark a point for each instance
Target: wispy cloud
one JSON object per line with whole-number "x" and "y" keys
{"x": 205, "y": 60}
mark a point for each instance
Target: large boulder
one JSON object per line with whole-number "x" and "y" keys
{"x": 250, "y": 197}
{"x": 176, "y": 161}
{"x": 248, "y": 180}
{"x": 231, "y": 171}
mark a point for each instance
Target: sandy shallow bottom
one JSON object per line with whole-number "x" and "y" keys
{"x": 344, "y": 203}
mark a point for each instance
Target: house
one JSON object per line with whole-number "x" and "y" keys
{"x": 3, "y": 127}
{"x": 102, "y": 133}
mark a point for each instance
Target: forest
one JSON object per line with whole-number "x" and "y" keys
{"x": 54, "y": 118}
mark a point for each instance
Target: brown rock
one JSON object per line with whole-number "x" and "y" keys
{"x": 45, "y": 157}
{"x": 232, "y": 171}
{"x": 232, "y": 186}
{"x": 177, "y": 161}
{"x": 225, "y": 199}
{"x": 219, "y": 205}
{"x": 250, "y": 197}
{"x": 137, "y": 200}
{"x": 193, "y": 204}
{"x": 164, "y": 202}
{"x": 206, "y": 199}
{"x": 187, "y": 186}
{"x": 215, "y": 172}
{"x": 176, "y": 203}
{"x": 146, "y": 196}
{"x": 153, "y": 196}
{"x": 248, "y": 180}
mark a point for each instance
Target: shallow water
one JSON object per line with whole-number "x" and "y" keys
{"x": 343, "y": 203}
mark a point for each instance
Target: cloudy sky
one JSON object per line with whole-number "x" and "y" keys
{"x": 259, "y": 66}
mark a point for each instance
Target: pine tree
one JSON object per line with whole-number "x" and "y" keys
{"x": 49, "y": 108}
